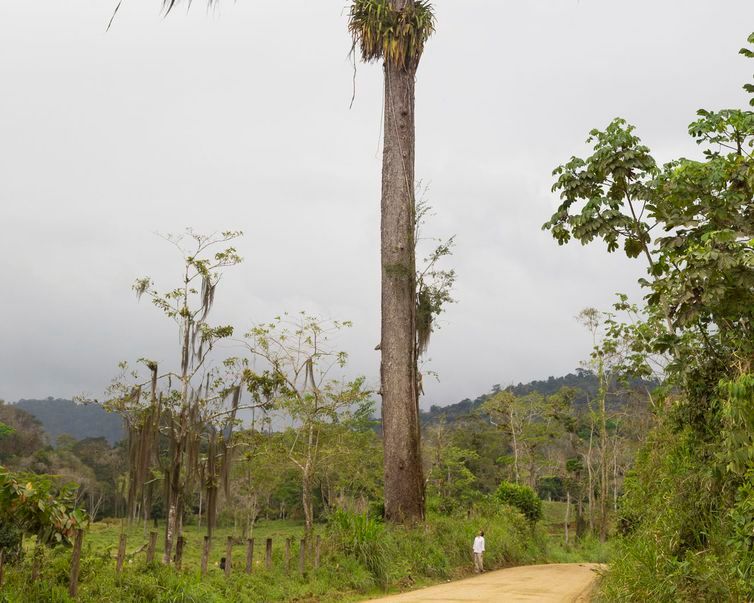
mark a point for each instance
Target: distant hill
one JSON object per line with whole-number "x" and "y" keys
{"x": 90, "y": 421}
{"x": 77, "y": 420}
{"x": 585, "y": 382}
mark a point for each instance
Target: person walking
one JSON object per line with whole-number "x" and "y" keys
{"x": 478, "y": 550}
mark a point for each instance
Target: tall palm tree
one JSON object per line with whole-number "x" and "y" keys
{"x": 394, "y": 32}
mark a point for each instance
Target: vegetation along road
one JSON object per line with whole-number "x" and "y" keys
{"x": 552, "y": 583}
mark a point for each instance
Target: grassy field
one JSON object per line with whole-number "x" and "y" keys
{"x": 103, "y": 537}
{"x": 352, "y": 568}
{"x": 339, "y": 578}
{"x": 553, "y": 514}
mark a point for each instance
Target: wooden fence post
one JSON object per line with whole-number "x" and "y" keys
{"x": 121, "y": 553}
{"x": 205, "y": 554}
{"x": 35, "y": 563}
{"x": 288, "y": 555}
{"x": 151, "y": 547}
{"x": 180, "y": 542}
{"x": 302, "y": 556}
{"x": 268, "y": 554}
{"x": 73, "y": 585}
{"x": 316, "y": 552}
{"x": 228, "y": 556}
{"x": 249, "y": 554}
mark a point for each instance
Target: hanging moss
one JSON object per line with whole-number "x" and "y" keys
{"x": 424, "y": 316}
{"x": 395, "y": 36}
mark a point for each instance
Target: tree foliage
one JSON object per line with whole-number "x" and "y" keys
{"x": 686, "y": 509}
{"x": 434, "y": 284}
{"x": 396, "y": 35}
{"x": 298, "y": 361}
{"x": 523, "y": 498}
{"x": 36, "y": 505}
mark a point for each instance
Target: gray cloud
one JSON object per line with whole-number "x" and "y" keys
{"x": 239, "y": 118}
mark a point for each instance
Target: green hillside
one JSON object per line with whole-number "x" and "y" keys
{"x": 59, "y": 416}
{"x": 584, "y": 383}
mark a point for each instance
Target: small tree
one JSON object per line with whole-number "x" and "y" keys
{"x": 191, "y": 409}
{"x": 612, "y": 356}
{"x": 450, "y": 482}
{"x": 530, "y": 423}
{"x": 434, "y": 285}
{"x": 299, "y": 360}
{"x": 37, "y": 506}
{"x": 260, "y": 472}
{"x": 351, "y": 470}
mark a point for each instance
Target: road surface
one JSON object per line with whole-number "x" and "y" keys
{"x": 553, "y": 583}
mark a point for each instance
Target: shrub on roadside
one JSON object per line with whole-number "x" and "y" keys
{"x": 678, "y": 539}
{"x": 361, "y": 537}
{"x": 522, "y": 498}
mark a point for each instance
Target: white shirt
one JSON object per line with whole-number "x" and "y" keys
{"x": 478, "y": 544}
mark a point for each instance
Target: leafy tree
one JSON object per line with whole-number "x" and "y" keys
{"x": 693, "y": 222}
{"x": 451, "y": 484}
{"x": 5, "y": 430}
{"x": 20, "y": 436}
{"x": 475, "y": 433}
{"x": 523, "y": 498}
{"x": 256, "y": 475}
{"x": 299, "y": 361}
{"x": 37, "y": 506}
{"x": 394, "y": 32}
{"x": 531, "y": 426}
{"x": 351, "y": 473}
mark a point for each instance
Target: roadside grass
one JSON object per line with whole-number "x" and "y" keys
{"x": 358, "y": 561}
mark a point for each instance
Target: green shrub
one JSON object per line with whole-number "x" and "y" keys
{"x": 361, "y": 536}
{"x": 679, "y": 524}
{"x": 11, "y": 539}
{"x": 522, "y": 498}
{"x": 377, "y": 509}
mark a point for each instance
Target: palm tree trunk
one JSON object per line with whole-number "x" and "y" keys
{"x": 404, "y": 484}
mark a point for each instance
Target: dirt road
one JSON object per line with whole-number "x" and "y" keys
{"x": 554, "y": 583}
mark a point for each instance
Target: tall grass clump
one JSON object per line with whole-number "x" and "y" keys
{"x": 362, "y": 537}
{"x": 439, "y": 549}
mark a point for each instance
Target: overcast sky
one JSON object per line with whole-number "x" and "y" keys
{"x": 238, "y": 118}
